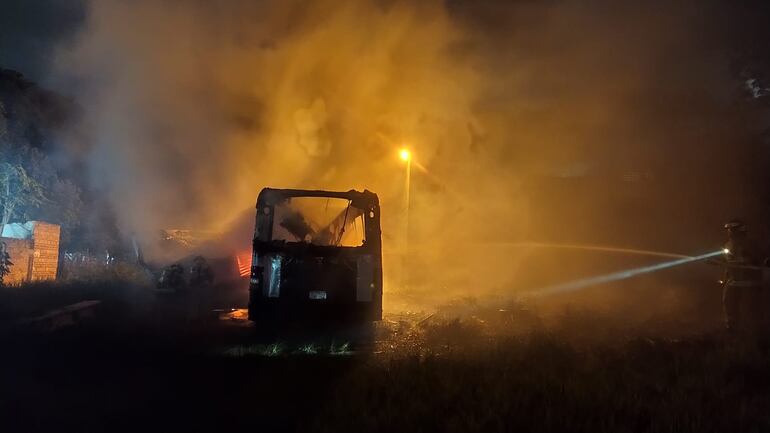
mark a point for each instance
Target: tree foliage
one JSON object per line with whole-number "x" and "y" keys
{"x": 33, "y": 184}
{"x": 20, "y": 193}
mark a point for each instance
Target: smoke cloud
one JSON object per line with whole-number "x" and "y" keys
{"x": 195, "y": 106}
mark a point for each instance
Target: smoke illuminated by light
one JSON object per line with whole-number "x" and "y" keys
{"x": 356, "y": 94}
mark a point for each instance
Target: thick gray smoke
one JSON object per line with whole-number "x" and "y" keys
{"x": 194, "y": 106}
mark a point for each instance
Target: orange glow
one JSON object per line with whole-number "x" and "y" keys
{"x": 404, "y": 154}
{"x": 243, "y": 261}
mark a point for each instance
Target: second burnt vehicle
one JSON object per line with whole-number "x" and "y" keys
{"x": 317, "y": 256}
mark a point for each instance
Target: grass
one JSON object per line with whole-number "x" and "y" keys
{"x": 31, "y": 299}
{"x": 542, "y": 382}
{"x": 468, "y": 367}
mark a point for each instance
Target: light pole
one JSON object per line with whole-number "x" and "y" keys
{"x": 406, "y": 156}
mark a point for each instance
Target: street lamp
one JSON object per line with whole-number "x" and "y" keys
{"x": 406, "y": 156}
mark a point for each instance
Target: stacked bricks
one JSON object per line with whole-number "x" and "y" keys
{"x": 45, "y": 242}
{"x": 36, "y": 258}
{"x": 20, "y": 251}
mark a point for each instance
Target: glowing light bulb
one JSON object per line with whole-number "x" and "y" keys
{"x": 405, "y": 155}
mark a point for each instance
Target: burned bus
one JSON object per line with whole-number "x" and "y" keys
{"x": 317, "y": 256}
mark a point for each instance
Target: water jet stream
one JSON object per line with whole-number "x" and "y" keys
{"x": 621, "y": 275}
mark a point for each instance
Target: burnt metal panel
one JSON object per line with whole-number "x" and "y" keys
{"x": 350, "y": 278}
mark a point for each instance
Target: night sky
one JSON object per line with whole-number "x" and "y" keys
{"x": 30, "y": 31}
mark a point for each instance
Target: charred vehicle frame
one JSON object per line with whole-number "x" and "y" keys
{"x": 311, "y": 267}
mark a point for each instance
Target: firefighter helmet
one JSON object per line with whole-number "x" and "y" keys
{"x": 736, "y": 225}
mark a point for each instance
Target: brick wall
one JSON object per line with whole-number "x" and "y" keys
{"x": 45, "y": 241}
{"x": 21, "y": 253}
{"x": 36, "y": 258}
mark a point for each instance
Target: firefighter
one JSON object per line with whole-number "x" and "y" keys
{"x": 200, "y": 272}
{"x": 742, "y": 282}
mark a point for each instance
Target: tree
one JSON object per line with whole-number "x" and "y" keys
{"x": 19, "y": 192}
{"x": 41, "y": 166}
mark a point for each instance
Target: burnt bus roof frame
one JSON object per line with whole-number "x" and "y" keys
{"x": 269, "y": 197}
{"x": 262, "y": 308}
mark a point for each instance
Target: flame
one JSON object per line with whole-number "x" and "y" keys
{"x": 243, "y": 261}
